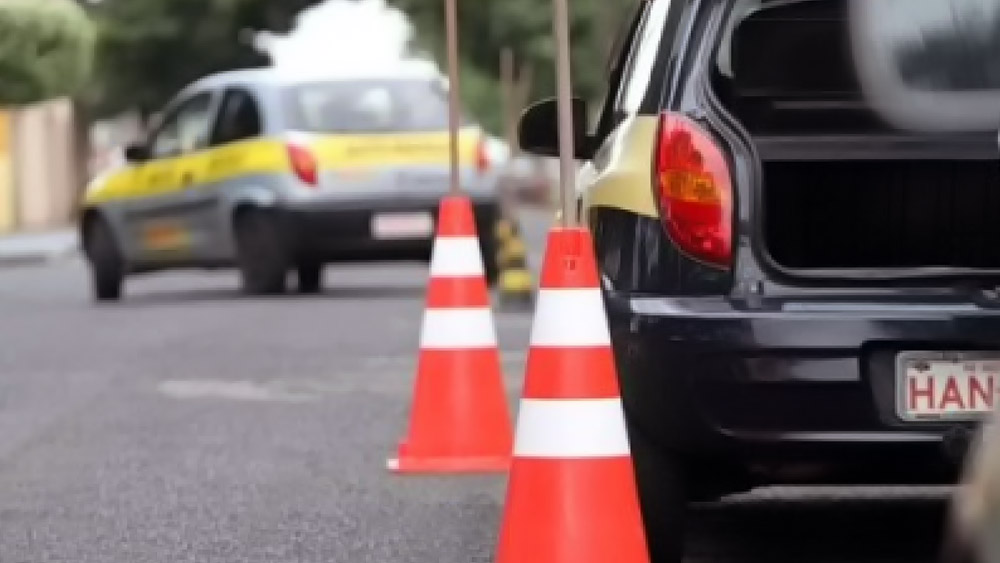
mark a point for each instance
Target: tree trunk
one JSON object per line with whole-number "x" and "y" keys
{"x": 81, "y": 151}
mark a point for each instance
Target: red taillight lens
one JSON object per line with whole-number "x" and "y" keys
{"x": 482, "y": 157}
{"x": 694, "y": 190}
{"x": 303, "y": 164}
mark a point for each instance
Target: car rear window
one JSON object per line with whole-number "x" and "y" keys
{"x": 791, "y": 64}
{"x": 368, "y": 106}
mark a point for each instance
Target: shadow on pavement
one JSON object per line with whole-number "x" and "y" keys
{"x": 220, "y": 295}
{"x": 841, "y": 531}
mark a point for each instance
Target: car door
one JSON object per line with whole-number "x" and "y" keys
{"x": 230, "y": 161}
{"x": 165, "y": 220}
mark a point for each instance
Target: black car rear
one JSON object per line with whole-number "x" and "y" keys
{"x": 816, "y": 301}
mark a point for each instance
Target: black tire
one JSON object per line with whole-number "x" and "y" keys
{"x": 262, "y": 253}
{"x": 107, "y": 266}
{"x": 660, "y": 479}
{"x": 310, "y": 276}
{"x": 956, "y": 547}
{"x": 489, "y": 246}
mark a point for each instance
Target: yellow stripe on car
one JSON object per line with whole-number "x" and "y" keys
{"x": 269, "y": 156}
{"x": 624, "y": 180}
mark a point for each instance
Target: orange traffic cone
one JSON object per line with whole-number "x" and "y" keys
{"x": 572, "y": 495}
{"x": 460, "y": 420}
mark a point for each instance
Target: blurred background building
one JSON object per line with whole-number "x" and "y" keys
{"x": 38, "y": 184}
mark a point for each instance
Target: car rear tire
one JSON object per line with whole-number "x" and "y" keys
{"x": 489, "y": 246}
{"x": 310, "y": 276}
{"x": 262, "y": 253}
{"x": 106, "y": 263}
{"x": 663, "y": 498}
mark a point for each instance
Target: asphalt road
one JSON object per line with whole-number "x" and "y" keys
{"x": 190, "y": 424}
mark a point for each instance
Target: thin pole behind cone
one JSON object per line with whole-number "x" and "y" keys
{"x": 451, "y": 24}
{"x": 564, "y": 93}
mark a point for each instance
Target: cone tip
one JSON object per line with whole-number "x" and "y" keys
{"x": 455, "y": 216}
{"x": 569, "y": 260}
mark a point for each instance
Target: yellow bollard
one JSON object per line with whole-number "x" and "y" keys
{"x": 516, "y": 284}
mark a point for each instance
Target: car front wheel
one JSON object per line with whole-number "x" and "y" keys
{"x": 106, "y": 264}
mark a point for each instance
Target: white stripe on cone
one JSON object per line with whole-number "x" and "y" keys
{"x": 456, "y": 257}
{"x": 571, "y": 428}
{"x": 570, "y": 318}
{"x": 456, "y": 329}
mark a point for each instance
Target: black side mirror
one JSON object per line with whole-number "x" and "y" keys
{"x": 538, "y": 129}
{"x": 136, "y": 153}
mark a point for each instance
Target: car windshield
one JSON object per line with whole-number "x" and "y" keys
{"x": 369, "y": 106}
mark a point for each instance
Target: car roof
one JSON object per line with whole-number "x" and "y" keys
{"x": 273, "y": 77}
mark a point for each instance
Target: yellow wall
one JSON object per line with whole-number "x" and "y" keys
{"x": 6, "y": 175}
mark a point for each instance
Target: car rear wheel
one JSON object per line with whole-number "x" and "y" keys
{"x": 661, "y": 484}
{"x": 310, "y": 276}
{"x": 489, "y": 246}
{"x": 106, "y": 264}
{"x": 262, "y": 253}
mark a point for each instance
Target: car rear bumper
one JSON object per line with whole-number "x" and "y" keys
{"x": 344, "y": 231}
{"x": 792, "y": 383}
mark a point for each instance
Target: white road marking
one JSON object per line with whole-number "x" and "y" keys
{"x": 231, "y": 390}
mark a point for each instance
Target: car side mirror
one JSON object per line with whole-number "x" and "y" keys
{"x": 538, "y": 129}
{"x": 136, "y": 153}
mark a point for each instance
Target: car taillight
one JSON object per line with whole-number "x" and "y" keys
{"x": 303, "y": 164}
{"x": 482, "y": 157}
{"x": 694, "y": 191}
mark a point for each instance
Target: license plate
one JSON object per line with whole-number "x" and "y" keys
{"x": 402, "y": 225}
{"x": 423, "y": 181}
{"x": 165, "y": 236}
{"x": 935, "y": 386}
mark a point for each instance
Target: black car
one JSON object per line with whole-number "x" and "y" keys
{"x": 800, "y": 274}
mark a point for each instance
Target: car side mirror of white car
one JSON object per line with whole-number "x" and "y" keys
{"x": 136, "y": 153}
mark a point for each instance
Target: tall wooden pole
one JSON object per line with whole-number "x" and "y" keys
{"x": 508, "y": 94}
{"x": 564, "y": 86}
{"x": 451, "y": 23}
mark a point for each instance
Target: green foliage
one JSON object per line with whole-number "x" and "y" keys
{"x": 46, "y": 50}
{"x": 486, "y": 27}
{"x": 149, "y": 49}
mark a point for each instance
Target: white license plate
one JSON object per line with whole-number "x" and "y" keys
{"x": 934, "y": 386}
{"x": 402, "y": 225}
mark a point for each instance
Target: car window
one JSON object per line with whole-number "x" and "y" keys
{"x": 624, "y": 44}
{"x": 930, "y": 64}
{"x": 867, "y": 65}
{"x": 368, "y": 106}
{"x": 185, "y": 129}
{"x": 239, "y": 118}
{"x": 639, "y": 72}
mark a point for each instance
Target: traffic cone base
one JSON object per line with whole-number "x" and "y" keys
{"x": 459, "y": 421}
{"x": 465, "y": 464}
{"x": 601, "y": 493}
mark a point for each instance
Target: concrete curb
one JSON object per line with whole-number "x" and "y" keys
{"x": 35, "y": 258}
{"x": 21, "y": 251}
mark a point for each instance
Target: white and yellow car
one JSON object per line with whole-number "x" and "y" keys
{"x": 274, "y": 174}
